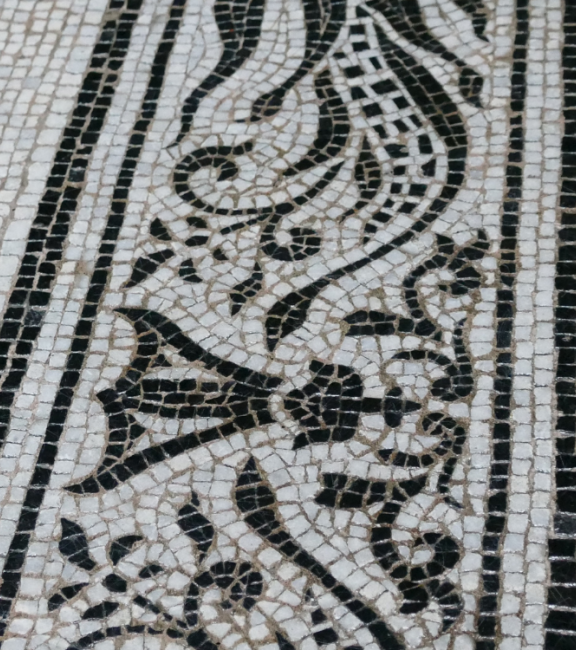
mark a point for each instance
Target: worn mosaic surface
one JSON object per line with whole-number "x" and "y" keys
{"x": 288, "y": 341}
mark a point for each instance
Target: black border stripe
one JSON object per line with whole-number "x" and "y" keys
{"x": 42, "y": 258}
{"x": 561, "y": 619}
{"x": 488, "y": 618}
{"x": 11, "y": 574}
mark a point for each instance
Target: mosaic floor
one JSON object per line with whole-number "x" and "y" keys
{"x": 288, "y": 324}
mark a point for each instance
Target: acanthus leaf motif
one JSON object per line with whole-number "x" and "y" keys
{"x": 239, "y": 396}
{"x": 333, "y": 126}
{"x": 329, "y": 412}
{"x": 290, "y": 313}
{"x": 323, "y": 19}
{"x": 406, "y": 18}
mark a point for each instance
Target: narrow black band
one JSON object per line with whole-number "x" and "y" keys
{"x": 561, "y": 621}
{"x": 11, "y": 574}
{"x": 497, "y": 494}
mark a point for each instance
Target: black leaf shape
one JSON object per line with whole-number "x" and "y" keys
{"x": 197, "y": 240}
{"x": 121, "y": 547}
{"x": 195, "y": 525}
{"x": 188, "y": 272}
{"x": 288, "y": 314}
{"x": 146, "y": 266}
{"x": 102, "y": 610}
{"x": 471, "y": 84}
{"x": 367, "y": 172}
{"x": 74, "y": 545}
{"x": 159, "y": 230}
{"x": 115, "y": 583}
{"x": 197, "y": 222}
{"x": 220, "y": 255}
{"x": 65, "y": 594}
{"x": 333, "y": 126}
{"x": 150, "y": 571}
{"x": 329, "y": 407}
{"x": 468, "y": 279}
{"x": 247, "y": 289}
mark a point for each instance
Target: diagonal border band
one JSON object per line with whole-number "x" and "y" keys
{"x": 42, "y": 258}
{"x": 11, "y": 574}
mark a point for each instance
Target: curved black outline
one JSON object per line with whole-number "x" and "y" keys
{"x": 290, "y": 312}
{"x": 256, "y": 501}
{"x": 239, "y": 22}
{"x": 242, "y": 385}
{"x": 406, "y": 18}
{"x": 324, "y": 19}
